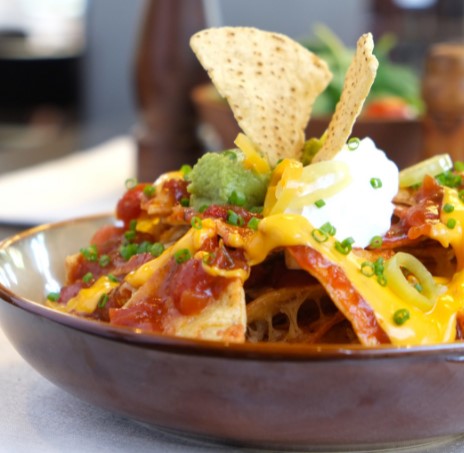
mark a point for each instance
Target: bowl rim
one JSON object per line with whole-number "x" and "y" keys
{"x": 256, "y": 351}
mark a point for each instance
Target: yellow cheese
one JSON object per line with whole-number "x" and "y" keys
{"x": 435, "y": 326}
{"x": 87, "y": 299}
{"x": 253, "y": 160}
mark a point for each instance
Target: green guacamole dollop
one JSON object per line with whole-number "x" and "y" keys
{"x": 221, "y": 178}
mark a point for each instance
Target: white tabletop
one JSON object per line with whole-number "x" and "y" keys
{"x": 36, "y": 416}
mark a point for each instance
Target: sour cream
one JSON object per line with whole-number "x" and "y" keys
{"x": 363, "y": 208}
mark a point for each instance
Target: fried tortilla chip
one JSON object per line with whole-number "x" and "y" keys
{"x": 270, "y": 82}
{"x": 358, "y": 81}
{"x": 224, "y": 319}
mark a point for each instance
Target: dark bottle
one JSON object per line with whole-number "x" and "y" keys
{"x": 443, "y": 94}
{"x": 166, "y": 70}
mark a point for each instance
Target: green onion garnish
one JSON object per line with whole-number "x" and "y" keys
{"x": 253, "y": 223}
{"x": 196, "y": 223}
{"x": 103, "y": 300}
{"x": 449, "y": 179}
{"x": 203, "y": 208}
{"x": 451, "y": 223}
{"x": 90, "y": 253}
{"x": 88, "y": 277}
{"x": 401, "y": 316}
{"x": 319, "y": 235}
{"x": 149, "y": 190}
{"x": 131, "y": 183}
{"x": 376, "y": 183}
{"x": 130, "y": 235}
{"x": 104, "y": 260}
{"x": 319, "y": 203}
{"x": 237, "y": 198}
{"x": 53, "y": 297}
{"x": 353, "y": 143}
{"x": 128, "y": 250}
{"x": 185, "y": 202}
{"x": 328, "y": 228}
{"x": 185, "y": 170}
{"x": 113, "y": 278}
{"x": 182, "y": 255}
{"x": 344, "y": 247}
{"x": 382, "y": 280}
{"x": 157, "y": 249}
{"x": 448, "y": 207}
{"x": 367, "y": 269}
{"x": 376, "y": 242}
{"x": 234, "y": 219}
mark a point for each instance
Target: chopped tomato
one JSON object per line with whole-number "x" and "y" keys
{"x": 128, "y": 207}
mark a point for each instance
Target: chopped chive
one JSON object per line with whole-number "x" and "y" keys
{"x": 382, "y": 280}
{"x": 344, "y": 247}
{"x": 328, "y": 228}
{"x": 185, "y": 202}
{"x": 319, "y": 203}
{"x": 230, "y": 154}
{"x": 90, "y": 253}
{"x": 461, "y": 195}
{"x": 103, "y": 300}
{"x": 353, "y": 143}
{"x": 130, "y": 183}
{"x": 130, "y": 235}
{"x": 237, "y": 198}
{"x": 256, "y": 209}
{"x": 185, "y": 170}
{"x": 419, "y": 287}
{"x": 367, "y": 269}
{"x": 203, "y": 208}
{"x": 379, "y": 266}
{"x": 234, "y": 219}
{"x": 451, "y": 223}
{"x": 376, "y": 183}
{"x": 88, "y": 277}
{"x": 149, "y": 190}
{"x": 449, "y": 179}
{"x": 113, "y": 278}
{"x": 53, "y": 297}
{"x": 401, "y": 316}
{"x": 182, "y": 255}
{"x": 376, "y": 242}
{"x": 128, "y": 250}
{"x": 319, "y": 235}
{"x": 104, "y": 260}
{"x": 253, "y": 223}
{"x": 133, "y": 225}
{"x": 448, "y": 207}
{"x": 144, "y": 247}
{"x": 196, "y": 223}
{"x": 157, "y": 249}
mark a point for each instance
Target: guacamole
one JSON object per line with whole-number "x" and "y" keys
{"x": 221, "y": 178}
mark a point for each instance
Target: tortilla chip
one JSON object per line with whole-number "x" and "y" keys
{"x": 270, "y": 82}
{"x": 224, "y": 319}
{"x": 358, "y": 82}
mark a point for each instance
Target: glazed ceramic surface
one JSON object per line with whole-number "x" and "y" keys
{"x": 279, "y": 396}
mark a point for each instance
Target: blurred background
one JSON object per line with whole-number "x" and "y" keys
{"x": 67, "y": 67}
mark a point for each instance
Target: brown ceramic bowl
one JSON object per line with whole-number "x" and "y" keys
{"x": 279, "y": 396}
{"x": 402, "y": 140}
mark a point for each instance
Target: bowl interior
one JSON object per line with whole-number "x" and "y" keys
{"x": 32, "y": 262}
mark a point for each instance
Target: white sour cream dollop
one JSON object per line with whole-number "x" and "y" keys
{"x": 359, "y": 210}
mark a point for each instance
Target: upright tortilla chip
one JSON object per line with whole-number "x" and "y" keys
{"x": 270, "y": 82}
{"x": 358, "y": 81}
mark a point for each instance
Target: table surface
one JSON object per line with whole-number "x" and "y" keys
{"x": 37, "y": 416}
